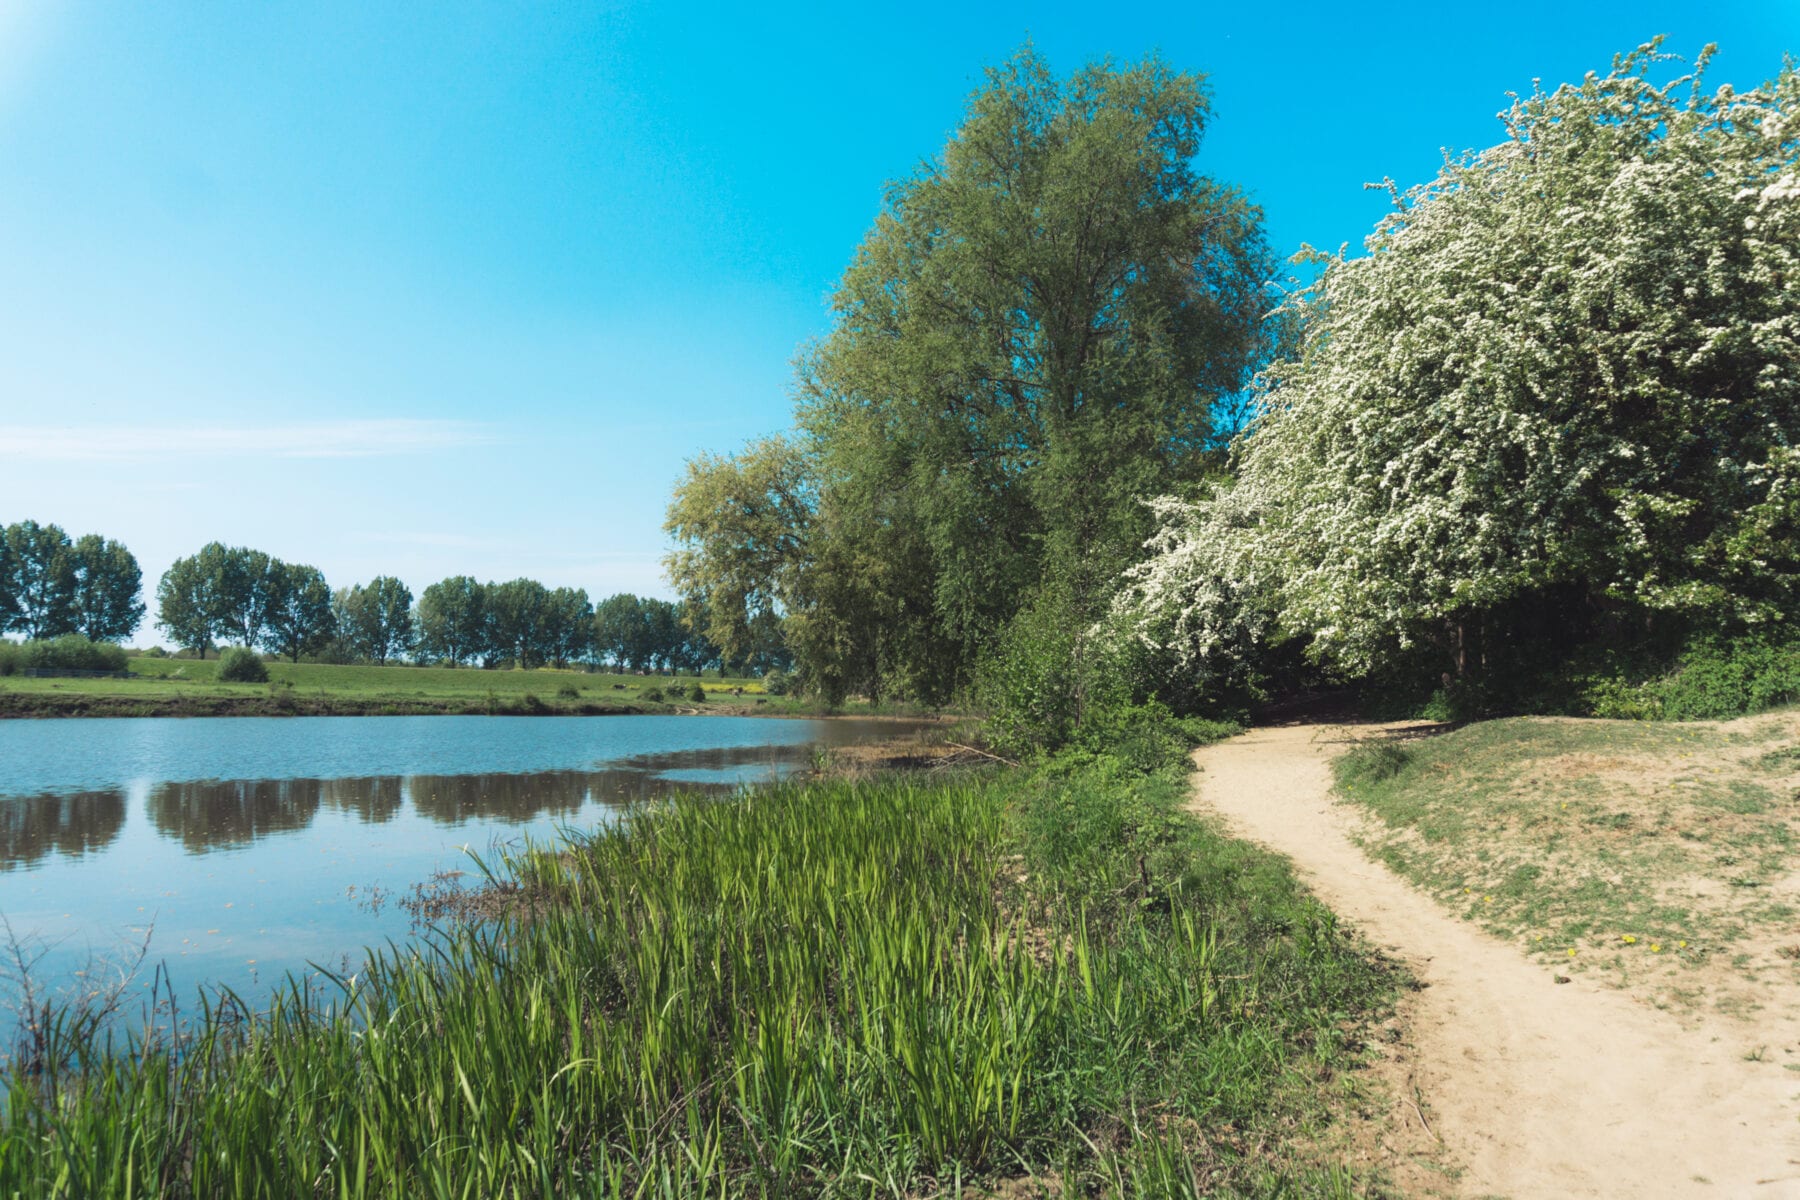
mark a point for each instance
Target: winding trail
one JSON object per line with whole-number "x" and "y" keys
{"x": 1539, "y": 1090}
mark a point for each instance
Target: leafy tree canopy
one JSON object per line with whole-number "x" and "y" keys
{"x": 300, "y": 619}
{"x": 1032, "y": 337}
{"x": 40, "y": 583}
{"x": 375, "y": 619}
{"x": 1560, "y": 387}
{"x": 451, "y": 620}
{"x": 108, "y": 584}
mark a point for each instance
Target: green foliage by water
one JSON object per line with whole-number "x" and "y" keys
{"x": 834, "y": 989}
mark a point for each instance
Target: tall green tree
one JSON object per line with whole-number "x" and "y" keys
{"x": 517, "y": 615}
{"x": 41, "y": 579}
{"x": 225, "y": 589}
{"x": 741, "y": 525}
{"x": 665, "y": 637}
{"x": 452, "y": 620}
{"x": 246, "y": 595}
{"x": 620, "y": 631}
{"x": 299, "y": 614}
{"x": 184, "y": 601}
{"x": 1031, "y": 339}
{"x": 1557, "y": 397}
{"x": 567, "y": 632}
{"x": 375, "y": 620}
{"x": 7, "y": 607}
{"x": 108, "y": 590}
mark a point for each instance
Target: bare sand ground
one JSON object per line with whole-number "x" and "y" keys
{"x": 1537, "y": 1089}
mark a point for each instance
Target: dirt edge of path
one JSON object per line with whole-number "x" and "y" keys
{"x": 1538, "y": 1089}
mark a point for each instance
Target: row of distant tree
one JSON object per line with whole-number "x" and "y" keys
{"x": 233, "y": 595}
{"x": 51, "y": 584}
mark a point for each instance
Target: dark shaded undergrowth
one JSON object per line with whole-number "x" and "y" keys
{"x": 899, "y": 988}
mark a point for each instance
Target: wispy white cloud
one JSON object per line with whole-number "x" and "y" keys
{"x": 307, "y": 439}
{"x": 441, "y": 541}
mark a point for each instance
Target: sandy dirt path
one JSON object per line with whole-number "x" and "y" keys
{"x": 1538, "y": 1089}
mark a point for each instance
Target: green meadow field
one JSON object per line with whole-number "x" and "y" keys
{"x": 191, "y": 687}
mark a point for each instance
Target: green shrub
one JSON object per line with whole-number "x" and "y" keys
{"x": 777, "y": 683}
{"x": 697, "y": 694}
{"x": 1720, "y": 678}
{"x": 651, "y": 693}
{"x": 70, "y": 652}
{"x": 1145, "y": 737}
{"x": 568, "y": 691}
{"x": 240, "y": 664}
{"x": 9, "y": 657}
{"x": 1371, "y": 762}
{"x": 1709, "y": 677}
{"x": 1031, "y": 684}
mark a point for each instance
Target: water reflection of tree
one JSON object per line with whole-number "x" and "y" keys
{"x": 76, "y": 824}
{"x": 453, "y": 799}
{"x": 375, "y": 799}
{"x": 212, "y": 814}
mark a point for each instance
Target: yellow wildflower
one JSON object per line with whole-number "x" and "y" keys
{"x": 1656, "y": 947}
{"x": 1629, "y": 939}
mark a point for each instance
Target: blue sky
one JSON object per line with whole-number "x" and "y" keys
{"x": 432, "y": 290}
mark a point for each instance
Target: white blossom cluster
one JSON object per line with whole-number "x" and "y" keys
{"x": 1573, "y": 358}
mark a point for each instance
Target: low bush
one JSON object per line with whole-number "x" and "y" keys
{"x": 240, "y": 664}
{"x": 652, "y": 693}
{"x": 1718, "y": 678}
{"x": 568, "y": 691}
{"x": 1711, "y": 675}
{"x": 777, "y": 683}
{"x": 697, "y": 694}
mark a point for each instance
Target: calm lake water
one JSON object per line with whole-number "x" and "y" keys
{"x": 246, "y": 848}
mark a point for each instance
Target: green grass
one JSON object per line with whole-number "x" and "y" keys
{"x": 179, "y": 686}
{"x": 1647, "y": 849}
{"x": 901, "y": 988}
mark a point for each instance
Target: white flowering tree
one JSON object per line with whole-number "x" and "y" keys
{"x": 1564, "y": 379}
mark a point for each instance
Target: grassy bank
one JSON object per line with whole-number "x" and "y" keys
{"x": 1662, "y": 857}
{"x": 1047, "y": 982}
{"x": 191, "y": 688}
